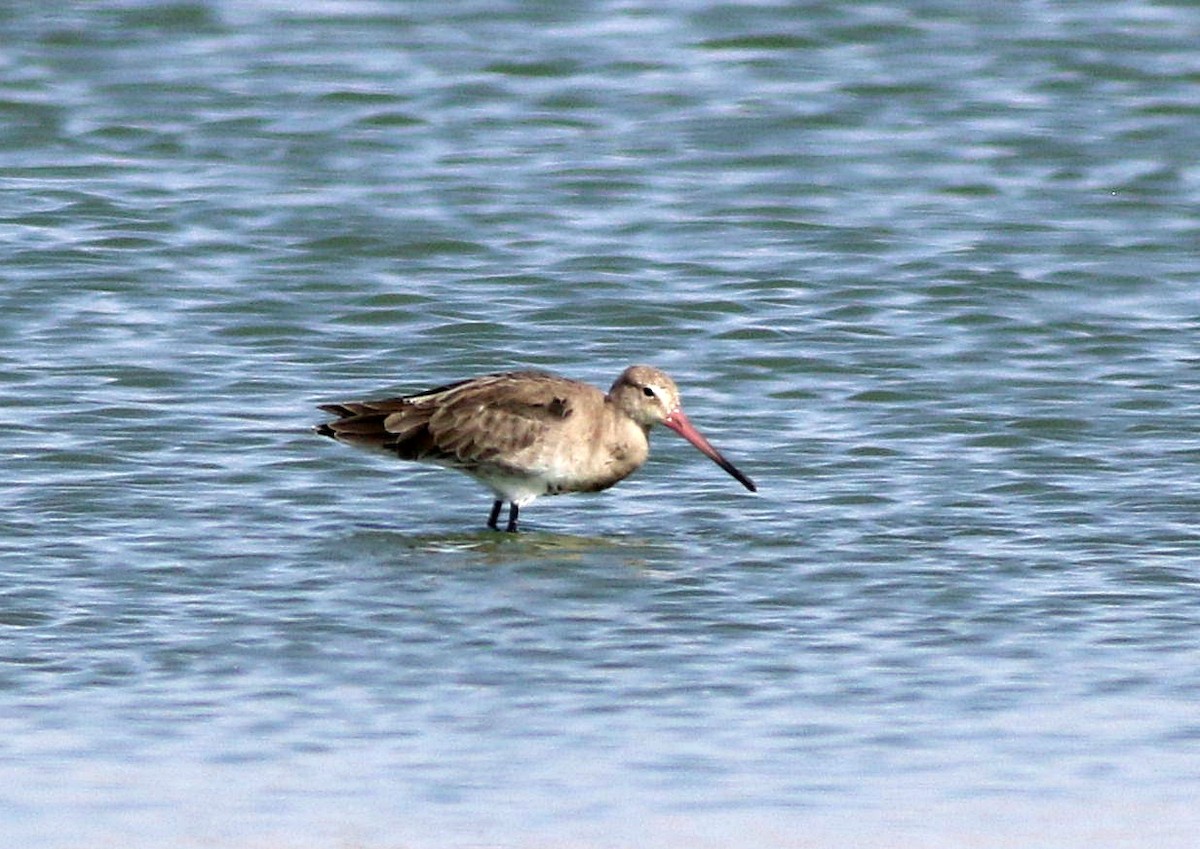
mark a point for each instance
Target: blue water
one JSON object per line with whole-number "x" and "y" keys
{"x": 925, "y": 271}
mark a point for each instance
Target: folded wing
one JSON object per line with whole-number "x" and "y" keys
{"x": 485, "y": 422}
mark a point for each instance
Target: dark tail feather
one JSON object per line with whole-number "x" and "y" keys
{"x": 362, "y": 424}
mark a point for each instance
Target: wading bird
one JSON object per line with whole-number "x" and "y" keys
{"x": 526, "y": 434}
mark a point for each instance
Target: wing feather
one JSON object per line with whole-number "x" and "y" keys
{"x": 493, "y": 421}
{"x": 484, "y": 422}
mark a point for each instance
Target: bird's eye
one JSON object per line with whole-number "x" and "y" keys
{"x": 647, "y": 391}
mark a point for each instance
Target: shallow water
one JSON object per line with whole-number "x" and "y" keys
{"x": 926, "y": 272}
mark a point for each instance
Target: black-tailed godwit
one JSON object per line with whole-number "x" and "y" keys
{"x": 526, "y": 434}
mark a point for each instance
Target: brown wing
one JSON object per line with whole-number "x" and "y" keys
{"x": 486, "y": 421}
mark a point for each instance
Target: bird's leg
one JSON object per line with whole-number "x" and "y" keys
{"x": 496, "y": 505}
{"x": 512, "y": 518}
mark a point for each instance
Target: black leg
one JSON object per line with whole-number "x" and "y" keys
{"x": 512, "y": 518}
{"x": 496, "y": 505}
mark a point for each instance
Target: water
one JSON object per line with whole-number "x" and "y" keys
{"x": 926, "y": 271}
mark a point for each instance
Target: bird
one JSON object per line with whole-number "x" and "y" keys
{"x": 526, "y": 434}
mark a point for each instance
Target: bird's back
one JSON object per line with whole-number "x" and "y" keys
{"x": 498, "y": 422}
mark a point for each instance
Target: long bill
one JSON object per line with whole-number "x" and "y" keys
{"x": 679, "y": 423}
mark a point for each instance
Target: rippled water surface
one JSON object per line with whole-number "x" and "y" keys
{"x": 927, "y": 271}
